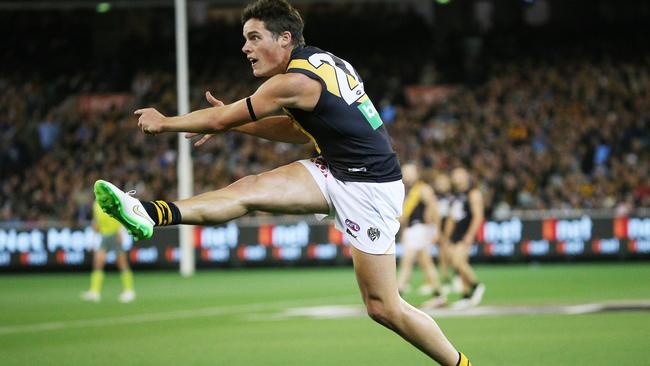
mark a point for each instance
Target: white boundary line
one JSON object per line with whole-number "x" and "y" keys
{"x": 349, "y": 311}
{"x": 165, "y": 316}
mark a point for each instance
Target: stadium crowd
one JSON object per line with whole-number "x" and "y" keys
{"x": 568, "y": 135}
{"x": 574, "y": 134}
{"x": 570, "y": 132}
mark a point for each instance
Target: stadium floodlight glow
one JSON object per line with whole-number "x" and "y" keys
{"x": 103, "y": 7}
{"x": 443, "y": 2}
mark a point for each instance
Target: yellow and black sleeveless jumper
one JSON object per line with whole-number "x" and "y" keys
{"x": 344, "y": 126}
{"x": 413, "y": 205}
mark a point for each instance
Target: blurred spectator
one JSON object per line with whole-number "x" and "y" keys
{"x": 48, "y": 131}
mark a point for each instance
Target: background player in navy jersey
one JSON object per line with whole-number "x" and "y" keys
{"x": 310, "y": 95}
{"x": 465, "y": 217}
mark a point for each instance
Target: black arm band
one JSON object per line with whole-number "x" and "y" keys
{"x": 250, "y": 109}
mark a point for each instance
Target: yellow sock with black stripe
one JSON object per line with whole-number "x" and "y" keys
{"x": 96, "y": 280}
{"x": 463, "y": 360}
{"x": 127, "y": 280}
{"x": 162, "y": 213}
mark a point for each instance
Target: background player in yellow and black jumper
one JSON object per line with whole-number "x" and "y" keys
{"x": 466, "y": 215}
{"x": 111, "y": 240}
{"x": 310, "y": 95}
{"x": 420, "y": 223}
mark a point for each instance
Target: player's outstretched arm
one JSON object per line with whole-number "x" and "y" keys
{"x": 275, "y": 128}
{"x": 281, "y": 91}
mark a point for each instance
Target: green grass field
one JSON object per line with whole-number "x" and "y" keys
{"x": 228, "y": 318}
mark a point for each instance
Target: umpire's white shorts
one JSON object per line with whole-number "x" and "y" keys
{"x": 418, "y": 236}
{"x": 365, "y": 212}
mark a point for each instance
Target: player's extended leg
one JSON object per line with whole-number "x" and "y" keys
{"x": 288, "y": 189}
{"x": 405, "y": 268}
{"x": 378, "y": 285}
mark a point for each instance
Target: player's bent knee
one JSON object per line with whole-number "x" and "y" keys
{"x": 383, "y": 313}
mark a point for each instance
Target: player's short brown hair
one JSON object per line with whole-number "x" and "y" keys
{"x": 278, "y": 17}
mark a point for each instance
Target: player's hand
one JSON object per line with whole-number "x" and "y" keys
{"x": 212, "y": 100}
{"x": 150, "y": 121}
{"x": 215, "y": 103}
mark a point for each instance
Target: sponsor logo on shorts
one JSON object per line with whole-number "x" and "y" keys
{"x": 352, "y": 225}
{"x": 321, "y": 165}
{"x": 373, "y": 233}
{"x": 350, "y": 233}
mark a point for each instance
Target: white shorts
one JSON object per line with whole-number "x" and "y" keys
{"x": 418, "y": 236}
{"x": 365, "y": 212}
